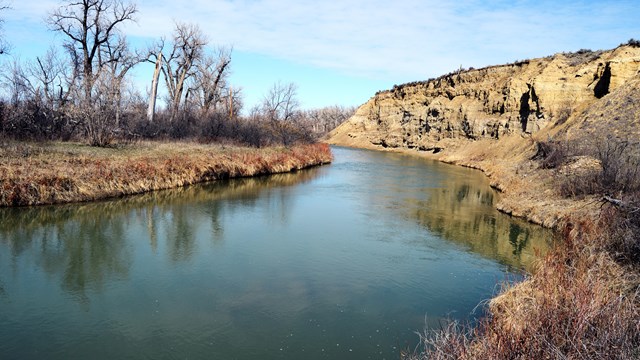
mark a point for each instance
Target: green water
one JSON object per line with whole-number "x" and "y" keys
{"x": 344, "y": 261}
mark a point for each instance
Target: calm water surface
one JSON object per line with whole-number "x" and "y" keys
{"x": 340, "y": 262}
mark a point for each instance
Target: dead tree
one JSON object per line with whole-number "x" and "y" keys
{"x": 97, "y": 49}
{"x": 210, "y": 80}
{"x": 151, "y": 112}
{"x": 186, "y": 51}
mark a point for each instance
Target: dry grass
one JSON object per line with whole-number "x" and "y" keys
{"x": 35, "y": 174}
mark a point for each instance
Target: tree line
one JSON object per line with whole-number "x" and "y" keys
{"x": 81, "y": 89}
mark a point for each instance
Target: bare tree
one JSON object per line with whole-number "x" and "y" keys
{"x": 51, "y": 78}
{"x": 120, "y": 60}
{"x": 100, "y": 56}
{"x": 179, "y": 63}
{"x": 325, "y": 119}
{"x": 89, "y": 26}
{"x": 38, "y": 91}
{"x": 231, "y": 102}
{"x": 14, "y": 80}
{"x": 281, "y": 102}
{"x": 210, "y": 80}
{"x": 280, "y": 107}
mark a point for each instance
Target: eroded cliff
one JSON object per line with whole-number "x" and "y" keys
{"x": 520, "y": 98}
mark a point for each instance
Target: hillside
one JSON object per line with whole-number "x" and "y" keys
{"x": 520, "y": 98}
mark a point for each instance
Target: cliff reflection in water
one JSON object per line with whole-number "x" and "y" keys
{"x": 87, "y": 245}
{"x": 464, "y": 213}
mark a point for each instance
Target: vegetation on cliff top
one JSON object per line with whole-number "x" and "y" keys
{"x": 577, "y": 58}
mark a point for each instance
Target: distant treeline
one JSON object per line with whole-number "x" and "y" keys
{"x": 81, "y": 88}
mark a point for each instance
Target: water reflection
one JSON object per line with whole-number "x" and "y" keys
{"x": 89, "y": 243}
{"x": 452, "y": 202}
{"x": 464, "y": 213}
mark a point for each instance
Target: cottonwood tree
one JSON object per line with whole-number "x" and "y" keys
{"x": 37, "y": 92}
{"x": 280, "y": 106}
{"x": 121, "y": 60}
{"x": 51, "y": 83}
{"x": 51, "y": 79}
{"x": 210, "y": 79}
{"x": 187, "y": 49}
{"x": 281, "y": 102}
{"x": 14, "y": 81}
{"x": 91, "y": 28}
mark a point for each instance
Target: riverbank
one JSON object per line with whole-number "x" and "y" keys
{"x": 60, "y": 172}
{"x": 582, "y": 300}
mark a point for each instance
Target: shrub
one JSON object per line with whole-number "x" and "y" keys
{"x": 633, "y": 42}
{"x": 551, "y": 153}
{"x": 620, "y": 160}
{"x": 622, "y": 219}
{"x": 563, "y": 114}
{"x": 573, "y": 185}
{"x": 618, "y": 169}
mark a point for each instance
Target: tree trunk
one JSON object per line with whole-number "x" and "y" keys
{"x": 178, "y": 94}
{"x": 154, "y": 89}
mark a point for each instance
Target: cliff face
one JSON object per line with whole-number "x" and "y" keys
{"x": 523, "y": 97}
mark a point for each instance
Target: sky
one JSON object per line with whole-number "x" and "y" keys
{"x": 342, "y": 52}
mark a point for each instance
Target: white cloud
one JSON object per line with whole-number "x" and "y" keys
{"x": 400, "y": 38}
{"x": 383, "y": 38}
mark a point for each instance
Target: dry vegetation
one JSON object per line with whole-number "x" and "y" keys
{"x": 34, "y": 174}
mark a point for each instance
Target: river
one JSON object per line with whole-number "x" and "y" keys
{"x": 344, "y": 261}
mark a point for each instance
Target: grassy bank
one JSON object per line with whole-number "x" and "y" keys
{"x": 36, "y": 174}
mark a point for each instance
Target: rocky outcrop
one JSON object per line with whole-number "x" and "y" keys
{"x": 524, "y": 97}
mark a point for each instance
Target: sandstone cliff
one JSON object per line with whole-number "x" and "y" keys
{"x": 520, "y": 98}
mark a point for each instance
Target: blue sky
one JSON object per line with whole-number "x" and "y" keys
{"x": 342, "y": 52}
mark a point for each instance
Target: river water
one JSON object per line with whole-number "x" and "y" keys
{"x": 344, "y": 261}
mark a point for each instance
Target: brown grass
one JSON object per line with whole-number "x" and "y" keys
{"x": 36, "y": 174}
